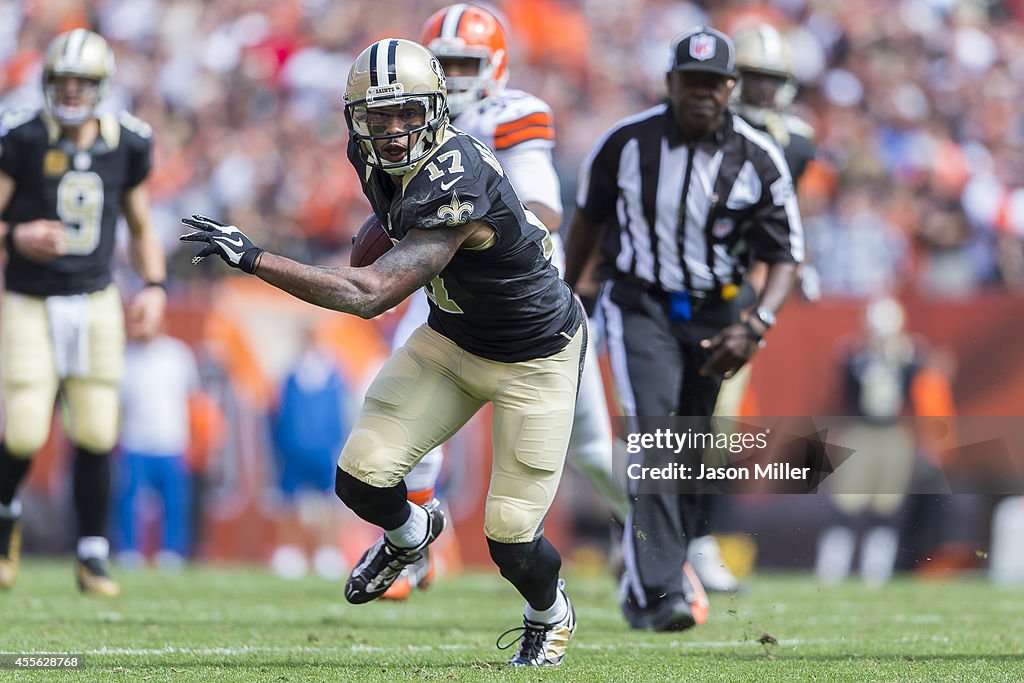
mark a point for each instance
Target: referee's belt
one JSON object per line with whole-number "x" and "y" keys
{"x": 726, "y": 292}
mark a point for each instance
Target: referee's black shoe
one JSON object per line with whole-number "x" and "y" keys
{"x": 675, "y": 613}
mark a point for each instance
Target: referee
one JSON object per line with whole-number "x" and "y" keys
{"x": 671, "y": 193}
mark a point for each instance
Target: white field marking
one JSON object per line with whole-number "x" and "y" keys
{"x": 298, "y": 649}
{"x": 784, "y": 644}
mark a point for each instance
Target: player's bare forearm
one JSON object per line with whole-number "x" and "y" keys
{"x": 147, "y": 250}
{"x": 578, "y": 247}
{"x": 366, "y": 292}
{"x": 549, "y": 217}
{"x": 778, "y": 283}
{"x": 148, "y": 256}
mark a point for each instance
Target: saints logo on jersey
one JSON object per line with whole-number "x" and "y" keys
{"x": 455, "y": 213}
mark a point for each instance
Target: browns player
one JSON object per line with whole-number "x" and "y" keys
{"x": 66, "y": 174}
{"x": 503, "y": 328}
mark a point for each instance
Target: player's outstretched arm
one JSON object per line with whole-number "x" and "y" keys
{"x": 372, "y": 290}
{"x": 146, "y": 311}
{"x": 366, "y": 292}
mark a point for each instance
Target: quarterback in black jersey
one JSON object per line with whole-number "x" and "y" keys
{"x": 67, "y": 174}
{"x": 503, "y": 328}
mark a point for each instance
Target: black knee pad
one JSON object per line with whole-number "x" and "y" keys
{"x": 385, "y": 507}
{"x": 531, "y": 567}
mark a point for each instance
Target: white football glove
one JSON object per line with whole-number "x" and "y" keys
{"x": 810, "y": 283}
{"x": 227, "y": 241}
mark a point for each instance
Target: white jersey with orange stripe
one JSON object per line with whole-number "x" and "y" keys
{"x": 520, "y": 129}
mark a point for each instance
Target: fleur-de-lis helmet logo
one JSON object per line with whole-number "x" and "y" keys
{"x": 455, "y": 213}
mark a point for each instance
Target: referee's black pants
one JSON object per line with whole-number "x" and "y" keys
{"x": 655, "y": 362}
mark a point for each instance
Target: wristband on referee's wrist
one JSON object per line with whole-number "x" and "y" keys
{"x": 757, "y": 336}
{"x": 9, "y": 237}
{"x": 162, "y": 284}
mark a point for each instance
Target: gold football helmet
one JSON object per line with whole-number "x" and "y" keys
{"x": 81, "y": 54}
{"x": 763, "y": 51}
{"x": 396, "y": 104}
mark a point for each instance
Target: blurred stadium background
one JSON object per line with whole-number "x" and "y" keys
{"x": 918, "y": 193}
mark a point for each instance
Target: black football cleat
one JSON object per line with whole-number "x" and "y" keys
{"x": 382, "y": 563}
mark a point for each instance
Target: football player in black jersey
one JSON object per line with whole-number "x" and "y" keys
{"x": 763, "y": 97}
{"x": 66, "y": 174}
{"x": 503, "y": 328}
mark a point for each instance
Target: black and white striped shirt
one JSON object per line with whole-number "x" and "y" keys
{"x": 734, "y": 185}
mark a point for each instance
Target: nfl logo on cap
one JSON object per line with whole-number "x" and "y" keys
{"x": 702, "y": 47}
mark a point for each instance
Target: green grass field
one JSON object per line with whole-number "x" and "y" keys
{"x": 246, "y": 625}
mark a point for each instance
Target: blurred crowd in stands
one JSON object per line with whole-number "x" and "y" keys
{"x": 917, "y": 106}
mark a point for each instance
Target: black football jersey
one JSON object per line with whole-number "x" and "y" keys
{"x": 504, "y": 302}
{"x": 799, "y": 152}
{"x": 796, "y": 137}
{"x": 878, "y": 383}
{"x": 83, "y": 188}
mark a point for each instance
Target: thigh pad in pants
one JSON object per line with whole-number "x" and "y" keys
{"x": 29, "y": 373}
{"x": 533, "y": 416}
{"x": 417, "y": 401}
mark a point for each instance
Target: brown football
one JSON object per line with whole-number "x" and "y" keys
{"x": 370, "y": 243}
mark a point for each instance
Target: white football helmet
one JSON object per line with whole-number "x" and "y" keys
{"x": 82, "y": 54}
{"x": 392, "y": 76}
